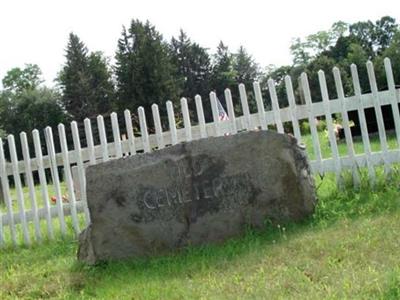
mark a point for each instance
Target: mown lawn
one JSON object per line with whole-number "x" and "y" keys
{"x": 348, "y": 249}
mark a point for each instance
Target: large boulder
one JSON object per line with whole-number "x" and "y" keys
{"x": 194, "y": 193}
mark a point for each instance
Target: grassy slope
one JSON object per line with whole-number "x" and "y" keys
{"x": 348, "y": 249}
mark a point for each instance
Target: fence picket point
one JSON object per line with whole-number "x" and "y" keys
{"x": 186, "y": 119}
{"x": 31, "y": 185}
{"x": 275, "y": 106}
{"x": 231, "y": 111}
{"x": 157, "y": 126}
{"x": 143, "y": 129}
{"x": 260, "y": 106}
{"x": 312, "y": 121}
{"x": 116, "y": 134}
{"x": 214, "y": 109}
{"x": 43, "y": 182}
{"x": 200, "y": 116}
{"x": 103, "y": 138}
{"x": 330, "y": 125}
{"x": 81, "y": 169}
{"x": 378, "y": 114}
{"x": 18, "y": 188}
{"x": 363, "y": 123}
{"x": 245, "y": 106}
{"x": 171, "y": 122}
{"x": 55, "y": 177}
{"x": 292, "y": 108}
{"x": 7, "y": 194}
{"x": 129, "y": 131}
{"x": 68, "y": 178}
{"x": 89, "y": 141}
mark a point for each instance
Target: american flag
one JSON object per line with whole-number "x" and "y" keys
{"x": 222, "y": 115}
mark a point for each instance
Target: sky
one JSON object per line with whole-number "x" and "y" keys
{"x": 37, "y": 31}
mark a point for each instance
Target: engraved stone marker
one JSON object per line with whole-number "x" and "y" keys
{"x": 194, "y": 193}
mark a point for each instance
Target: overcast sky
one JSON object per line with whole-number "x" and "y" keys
{"x": 37, "y": 31}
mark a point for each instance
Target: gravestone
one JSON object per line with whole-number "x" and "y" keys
{"x": 194, "y": 193}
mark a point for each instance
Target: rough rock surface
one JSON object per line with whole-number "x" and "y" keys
{"x": 194, "y": 193}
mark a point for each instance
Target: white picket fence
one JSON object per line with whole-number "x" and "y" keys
{"x": 27, "y": 224}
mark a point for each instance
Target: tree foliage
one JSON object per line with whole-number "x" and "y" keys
{"x": 85, "y": 81}
{"x": 223, "y": 72}
{"x": 144, "y": 70}
{"x": 193, "y": 65}
{"x": 18, "y": 80}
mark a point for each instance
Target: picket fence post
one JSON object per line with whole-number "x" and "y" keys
{"x": 346, "y": 125}
{"x": 330, "y": 126}
{"x": 18, "y": 188}
{"x": 200, "y": 116}
{"x": 143, "y": 129}
{"x": 231, "y": 111}
{"x": 56, "y": 180}
{"x": 245, "y": 106}
{"x": 129, "y": 131}
{"x": 172, "y": 123}
{"x": 43, "y": 182}
{"x": 292, "y": 108}
{"x": 81, "y": 169}
{"x": 363, "y": 123}
{"x": 103, "y": 138}
{"x": 393, "y": 98}
{"x": 186, "y": 119}
{"x": 7, "y": 195}
{"x": 157, "y": 125}
{"x": 89, "y": 141}
{"x": 116, "y": 135}
{"x": 31, "y": 185}
{"x": 214, "y": 109}
{"x": 275, "y": 106}
{"x": 68, "y": 178}
{"x": 260, "y": 106}
{"x": 312, "y": 122}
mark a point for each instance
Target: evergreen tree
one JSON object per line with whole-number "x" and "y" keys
{"x": 85, "y": 81}
{"x": 193, "y": 66}
{"x": 144, "y": 70}
{"x": 74, "y": 79}
{"x": 245, "y": 68}
{"x": 223, "y": 73}
{"x": 102, "y": 94}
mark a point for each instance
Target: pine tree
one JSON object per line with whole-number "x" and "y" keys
{"x": 102, "y": 95}
{"x": 193, "y": 66}
{"x": 245, "y": 68}
{"x": 144, "y": 70}
{"x": 223, "y": 74}
{"x": 85, "y": 81}
{"x": 74, "y": 79}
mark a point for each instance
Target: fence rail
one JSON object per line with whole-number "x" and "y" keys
{"x": 24, "y": 223}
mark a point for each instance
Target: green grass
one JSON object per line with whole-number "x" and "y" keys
{"x": 38, "y": 194}
{"x": 342, "y": 147}
{"x": 348, "y": 249}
